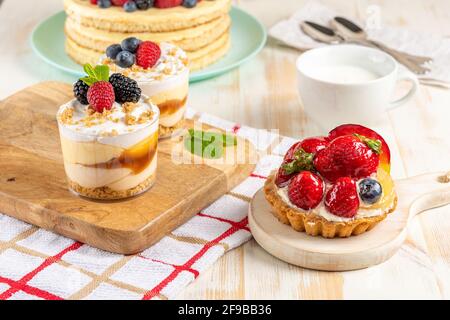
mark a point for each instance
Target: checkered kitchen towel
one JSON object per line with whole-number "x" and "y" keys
{"x": 38, "y": 264}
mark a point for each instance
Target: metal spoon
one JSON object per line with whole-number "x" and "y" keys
{"x": 349, "y": 29}
{"x": 327, "y": 35}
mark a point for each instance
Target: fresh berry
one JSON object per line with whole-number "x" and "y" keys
{"x": 189, "y": 3}
{"x": 353, "y": 156}
{"x": 125, "y": 59}
{"x": 314, "y": 145}
{"x": 310, "y": 145}
{"x": 118, "y": 3}
{"x": 370, "y": 190}
{"x": 80, "y": 90}
{"x": 282, "y": 178}
{"x": 167, "y": 3}
{"x": 101, "y": 96}
{"x": 346, "y": 129}
{"x": 144, "y": 4}
{"x": 104, "y": 4}
{"x": 148, "y": 53}
{"x": 130, "y": 6}
{"x": 342, "y": 199}
{"x": 93, "y": 2}
{"x": 125, "y": 89}
{"x": 306, "y": 190}
{"x": 130, "y": 44}
{"x": 113, "y": 50}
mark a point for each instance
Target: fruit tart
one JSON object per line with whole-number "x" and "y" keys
{"x": 334, "y": 186}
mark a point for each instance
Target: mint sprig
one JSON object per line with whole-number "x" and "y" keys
{"x": 97, "y": 74}
{"x": 208, "y": 144}
{"x": 303, "y": 161}
{"x": 375, "y": 145}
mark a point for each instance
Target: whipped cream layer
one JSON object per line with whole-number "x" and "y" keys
{"x": 119, "y": 126}
{"x": 173, "y": 62}
{"x": 321, "y": 210}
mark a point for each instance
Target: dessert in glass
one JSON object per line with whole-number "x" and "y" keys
{"x": 109, "y": 137}
{"x": 161, "y": 71}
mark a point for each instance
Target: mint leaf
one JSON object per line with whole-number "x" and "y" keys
{"x": 89, "y": 71}
{"x": 102, "y": 72}
{"x": 88, "y": 80}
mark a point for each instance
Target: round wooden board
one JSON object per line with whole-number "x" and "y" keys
{"x": 415, "y": 195}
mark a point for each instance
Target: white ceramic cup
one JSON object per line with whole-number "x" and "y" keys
{"x": 349, "y": 84}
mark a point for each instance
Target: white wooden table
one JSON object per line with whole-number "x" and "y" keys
{"x": 263, "y": 94}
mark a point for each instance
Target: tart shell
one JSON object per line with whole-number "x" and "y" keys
{"x": 315, "y": 225}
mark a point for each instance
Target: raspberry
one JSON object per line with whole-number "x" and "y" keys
{"x": 148, "y": 53}
{"x": 101, "y": 96}
{"x": 342, "y": 199}
{"x": 167, "y": 3}
{"x": 306, "y": 190}
{"x": 125, "y": 89}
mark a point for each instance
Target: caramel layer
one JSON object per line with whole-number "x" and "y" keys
{"x": 136, "y": 158}
{"x": 171, "y": 106}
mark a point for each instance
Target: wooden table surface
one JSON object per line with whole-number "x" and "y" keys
{"x": 263, "y": 94}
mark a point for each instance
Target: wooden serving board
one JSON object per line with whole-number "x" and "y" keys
{"x": 415, "y": 195}
{"x": 33, "y": 183}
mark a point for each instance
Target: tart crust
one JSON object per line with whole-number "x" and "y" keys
{"x": 313, "y": 224}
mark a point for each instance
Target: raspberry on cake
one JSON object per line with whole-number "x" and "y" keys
{"x": 109, "y": 137}
{"x": 334, "y": 186}
{"x": 160, "y": 70}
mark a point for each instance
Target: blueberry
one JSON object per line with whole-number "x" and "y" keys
{"x": 113, "y": 50}
{"x": 370, "y": 191}
{"x": 144, "y": 4}
{"x": 125, "y": 59}
{"x": 189, "y": 3}
{"x": 104, "y": 3}
{"x": 130, "y": 6}
{"x": 130, "y": 44}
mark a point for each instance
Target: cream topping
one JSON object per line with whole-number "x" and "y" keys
{"x": 173, "y": 61}
{"x": 123, "y": 125}
{"x": 322, "y": 211}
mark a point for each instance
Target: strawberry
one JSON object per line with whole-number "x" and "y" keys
{"x": 93, "y": 2}
{"x": 282, "y": 179}
{"x": 147, "y": 54}
{"x": 342, "y": 199}
{"x": 118, "y": 3}
{"x": 101, "y": 96}
{"x": 167, "y": 3}
{"x": 306, "y": 190}
{"x": 346, "y": 129}
{"x": 352, "y": 155}
{"x": 314, "y": 145}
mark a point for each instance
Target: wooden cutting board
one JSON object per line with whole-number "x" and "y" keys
{"x": 415, "y": 195}
{"x": 33, "y": 184}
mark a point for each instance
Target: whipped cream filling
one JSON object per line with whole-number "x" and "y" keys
{"x": 322, "y": 211}
{"x": 112, "y": 129}
{"x": 173, "y": 61}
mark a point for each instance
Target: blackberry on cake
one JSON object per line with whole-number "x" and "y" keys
{"x": 125, "y": 89}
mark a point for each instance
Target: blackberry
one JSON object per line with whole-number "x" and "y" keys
{"x": 125, "y": 89}
{"x": 80, "y": 89}
{"x": 144, "y": 4}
